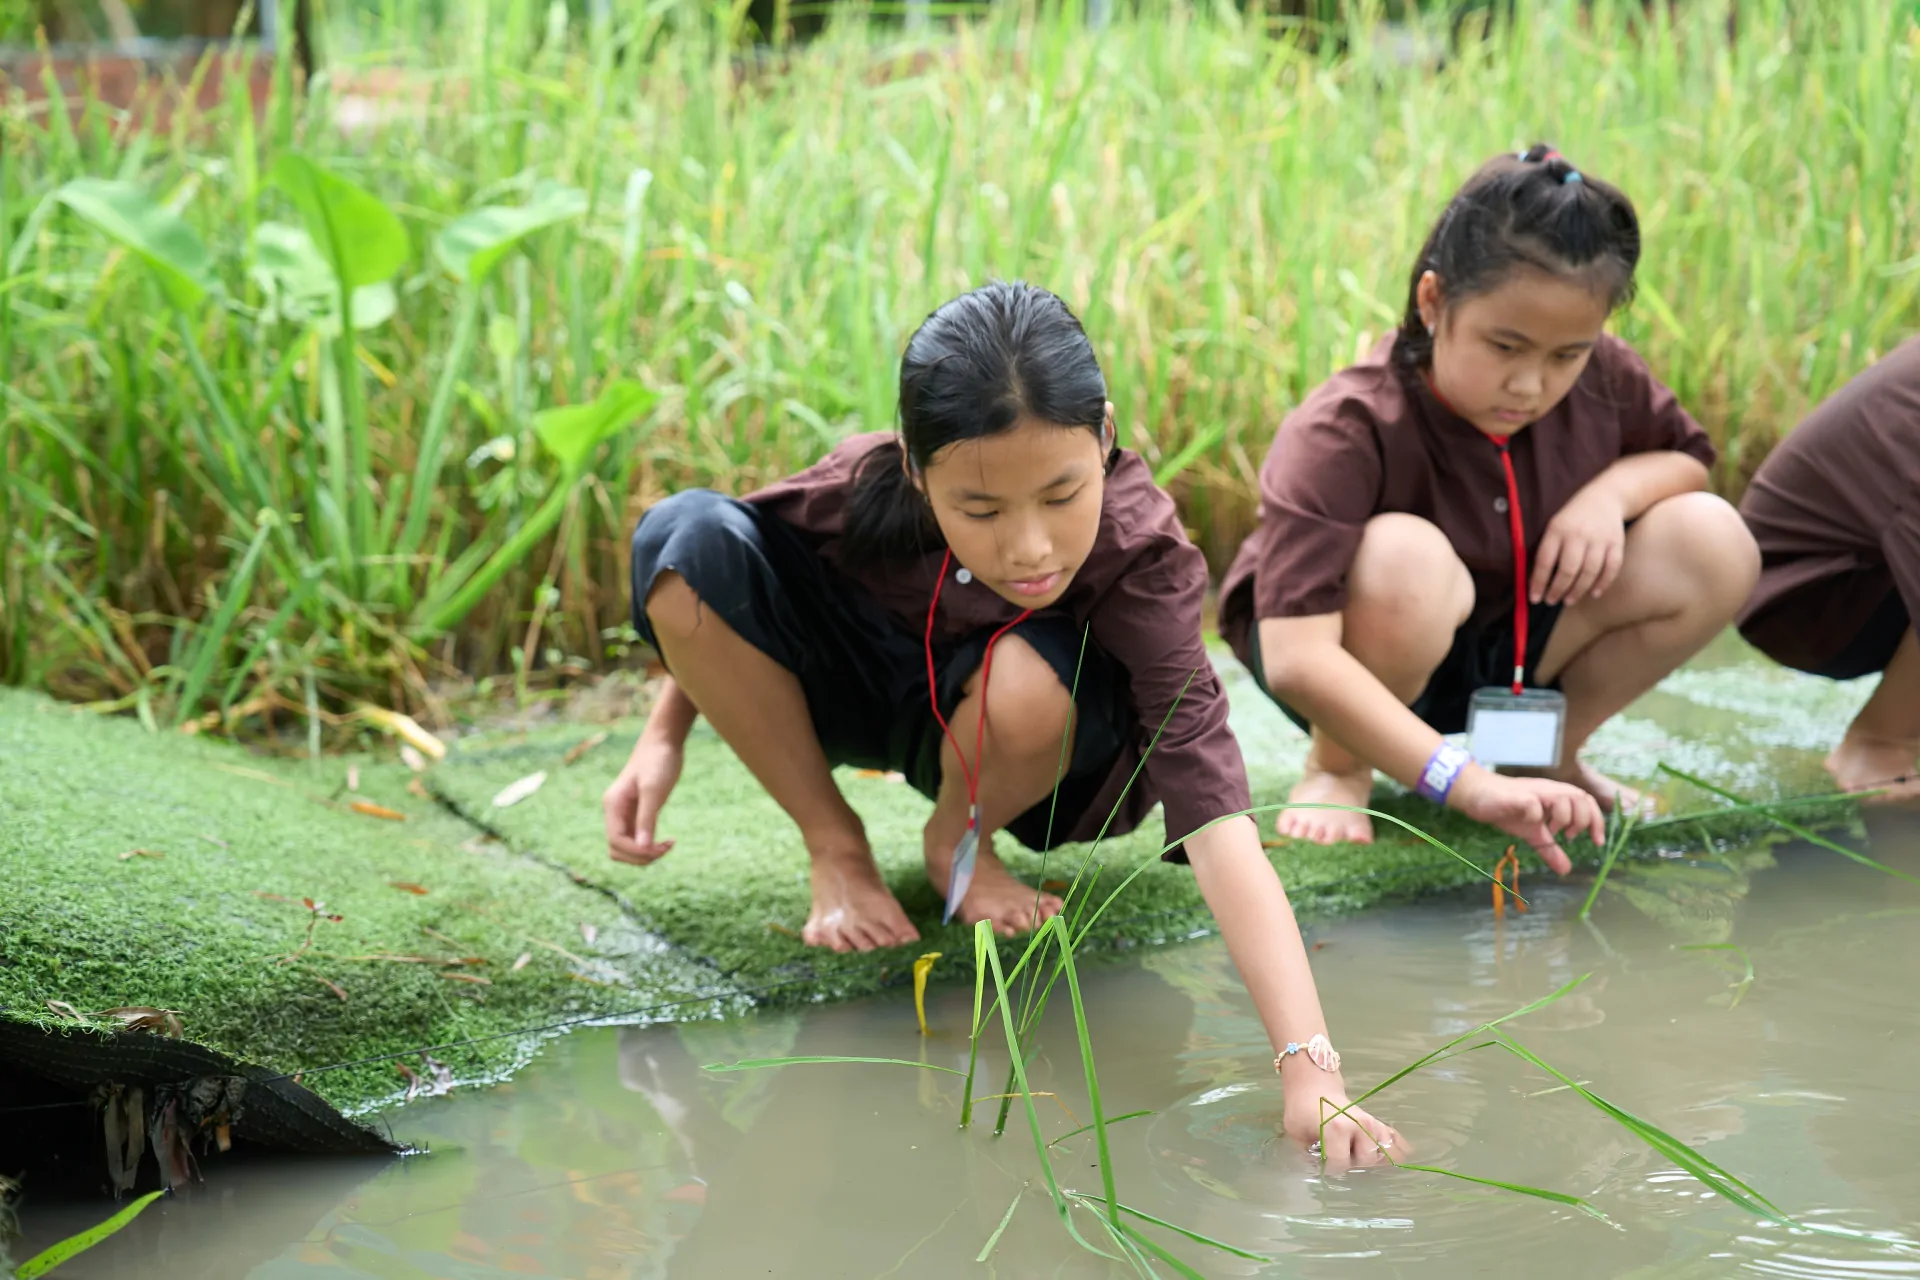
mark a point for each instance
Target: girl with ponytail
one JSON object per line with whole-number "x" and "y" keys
{"x": 1000, "y": 604}
{"x": 1495, "y": 523}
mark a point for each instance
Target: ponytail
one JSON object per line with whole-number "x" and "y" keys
{"x": 1532, "y": 210}
{"x": 887, "y": 520}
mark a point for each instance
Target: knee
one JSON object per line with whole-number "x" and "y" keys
{"x": 1704, "y": 536}
{"x": 1027, "y": 706}
{"x": 1407, "y": 580}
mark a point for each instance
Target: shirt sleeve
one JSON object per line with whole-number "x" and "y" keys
{"x": 1651, "y": 419}
{"x": 1319, "y": 486}
{"x": 1150, "y": 623}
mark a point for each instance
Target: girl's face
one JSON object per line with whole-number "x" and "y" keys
{"x": 1505, "y": 358}
{"x": 1021, "y": 509}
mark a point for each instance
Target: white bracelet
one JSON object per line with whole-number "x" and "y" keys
{"x": 1320, "y": 1052}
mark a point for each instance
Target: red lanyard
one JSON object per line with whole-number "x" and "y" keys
{"x": 1519, "y": 532}
{"x": 986, "y": 674}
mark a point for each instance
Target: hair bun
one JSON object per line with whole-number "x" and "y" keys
{"x": 1557, "y": 167}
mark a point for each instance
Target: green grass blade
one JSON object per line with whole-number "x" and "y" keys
{"x": 1111, "y": 1120}
{"x": 986, "y": 1250}
{"x": 210, "y": 643}
{"x": 1194, "y": 1236}
{"x": 1519, "y": 1188}
{"x": 41, "y": 1263}
{"x": 1811, "y": 837}
{"x": 1484, "y": 1028}
{"x": 758, "y": 1064}
{"x": 1058, "y": 928}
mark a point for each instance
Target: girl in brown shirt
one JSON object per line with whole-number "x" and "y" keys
{"x": 1378, "y": 592}
{"x": 1001, "y": 605}
{"x": 1836, "y": 510}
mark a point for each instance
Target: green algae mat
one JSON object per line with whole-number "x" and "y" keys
{"x": 358, "y": 941}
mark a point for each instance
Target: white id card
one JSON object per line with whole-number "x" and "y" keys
{"x": 1522, "y": 729}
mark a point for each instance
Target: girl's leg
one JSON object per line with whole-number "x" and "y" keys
{"x": 1028, "y": 713}
{"x": 1407, "y": 593}
{"x": 757, "y": 706}
{"x": 1883, "y": 742}
{"x": 1690, "y": 564}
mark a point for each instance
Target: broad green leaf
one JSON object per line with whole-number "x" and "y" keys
{"x": 571, "y": 433}
{"x": 42, "y": 1263}
{"x": 291, "y": 269}
{"x": 356, "y": 233}
{"x": 472, "y": 245}
{"x": 150, "y": 230}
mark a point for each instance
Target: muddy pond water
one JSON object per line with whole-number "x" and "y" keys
{"x": 615, "y": 1155}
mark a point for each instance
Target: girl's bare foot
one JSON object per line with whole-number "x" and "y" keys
{"x": 1886, "y": 765}
{"x": 1611, "y": 794}
{"x": 853, "y": 910}
{"x": 1320, "y": 784}
{"x": 995, "y": 894}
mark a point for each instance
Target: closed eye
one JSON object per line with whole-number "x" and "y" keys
{"x": 1069, "y": 499}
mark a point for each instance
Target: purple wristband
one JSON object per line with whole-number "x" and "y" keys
{"x": 1442, "y": 771}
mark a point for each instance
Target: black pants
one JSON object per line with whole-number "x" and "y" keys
{"x": 1480, "y": 658}
{"x": 863, "y": 672}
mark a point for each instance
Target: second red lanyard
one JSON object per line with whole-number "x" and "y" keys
{"x": 1519, "y": 531}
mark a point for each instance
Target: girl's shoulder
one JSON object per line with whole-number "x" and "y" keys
{"x": 1361, "y": 403}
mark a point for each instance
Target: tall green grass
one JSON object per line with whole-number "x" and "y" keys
{"x": 224, "y": 500}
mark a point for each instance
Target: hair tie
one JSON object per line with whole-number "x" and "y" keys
{"x": 1573, "y": 175}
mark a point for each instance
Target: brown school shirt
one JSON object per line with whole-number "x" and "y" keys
{"x": 1374, "y": 438}
{"x": 1140, "y": 591}
{"x": 1838, "y": 503}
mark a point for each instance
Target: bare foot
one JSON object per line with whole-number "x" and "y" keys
{"x": 1319, "y": 785}
{"x": 1609, "y": 793}
{"x": 853, "y": 910}
{"x": 1887, "y": 765}
{"x": 995, "y": 894}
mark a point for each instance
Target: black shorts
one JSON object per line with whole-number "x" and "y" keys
{"x": 1481, "y": 658}
{"x": 1872, "y": 647}
{"x": 864, "y": 673}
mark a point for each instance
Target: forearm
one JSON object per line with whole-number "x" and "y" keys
{"x": 1642, "y": 479}
{"x": 1250, "y": 905}
{"x": 673, "y": 714}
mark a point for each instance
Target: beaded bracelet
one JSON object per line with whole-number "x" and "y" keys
{"x": 1319, "y": 1050}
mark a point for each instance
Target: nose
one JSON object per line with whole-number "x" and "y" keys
{"x": 1526, "y": 381}
{"x": 1026, "y": 543}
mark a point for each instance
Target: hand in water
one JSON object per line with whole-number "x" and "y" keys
{"x": 1355, "y": 1138}
{"x": 631, "y": 806}
{"x": 1536, "y": 810}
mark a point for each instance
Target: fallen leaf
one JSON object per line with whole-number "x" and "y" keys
{"x": 413, "y": 1079}
{"x": 561, "y": 950}
{"x": 215, "y": 841}
{"x": 411, "y": 757}
{"x": 377, "y": 811}
{"x": 1055, "y": 886}
{"x": 407, "y": 730}
{"x": 581, "y": 748}
{"x": 407, "y": 886}
{"x": 432, "y": 932}
{"x": 592, "y": 982}
{"x": 415, "y": 787}
{"x": 922, "y": 966}
{"x": 514, "y": 792}
{"x": 353, "y": 777}
{"x": 526, "y": 958}
{"x": 474, "y": 978}
{"x": 332, "y": 986}
{"x": 66, "y": 1010}
{"x": 141, "y": 853}
{"x": 589, "y": 932}
{"x": 442, "y": 1075}
{"x": 142, "y": 1017}
{"x": 1276, "y": 844}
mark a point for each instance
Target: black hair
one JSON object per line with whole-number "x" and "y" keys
{"x": 1531, "y": 210}
{"x": 975, "y": 367}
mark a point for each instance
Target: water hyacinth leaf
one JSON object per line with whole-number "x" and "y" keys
{"x": 572, "y": 432}
{"x": 72, "y": 1246}
{"x": 472, "y": 245}
{"x": 159, "y": 237}
{"x": 355, "y": 231}
{"x": 294, "y": 273}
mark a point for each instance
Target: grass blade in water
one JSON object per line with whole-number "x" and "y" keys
{"x": 41, "y": 1263}
{"x": 1811, "y": 837}
{"x": 1538, "y": 1193}
{"x": 1111, "y": 1120}
{"x": 1485, "y": 1027}
{"x": 986, "y": 1250}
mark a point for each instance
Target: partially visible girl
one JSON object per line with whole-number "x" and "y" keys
{"x": 1836, "y": 510}
{"x": 1498, "y": 446}
{"x": 919, "y": 603}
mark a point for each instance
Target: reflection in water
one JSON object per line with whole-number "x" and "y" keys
{"x": 617, "y": 1156}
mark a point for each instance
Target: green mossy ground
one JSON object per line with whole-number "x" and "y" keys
{"x": 713, "y": 924}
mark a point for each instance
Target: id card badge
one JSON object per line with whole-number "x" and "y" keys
{"x": 1522, "y": 729}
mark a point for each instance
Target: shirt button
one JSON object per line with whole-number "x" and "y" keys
{"x": 963, "y": 577}
{"x": 1500, "y": 505}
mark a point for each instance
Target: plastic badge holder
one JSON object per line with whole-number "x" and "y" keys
{"x": 1521, "y": 729}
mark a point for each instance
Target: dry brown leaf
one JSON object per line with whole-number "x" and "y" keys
{"x": 514, "y": 792}
{"x": 407, "y": 886}
{"x": 776, "y": 927}
{"x": 413, "y": 1079}
{"x": 411, "y": 757}
{"x": 66, "y": 1010}
{"x": 377, "y": 811}
{"x": 142, "y": 1017}
{"x": 589, "y": 932}
{"x": 141, "y": 853}
{"x": 474, "y": 978}
{"x": 526, "y": 957}
{"x": 415, "y": 787}
{"x": 353, "y": 777}
{"x": 581, "y": 748}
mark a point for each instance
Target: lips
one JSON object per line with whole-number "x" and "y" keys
{"x": 1034, "y": 586}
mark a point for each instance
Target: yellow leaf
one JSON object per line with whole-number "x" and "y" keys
{"x": 922, "y": 966}
{"x": 407, "y": 730}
